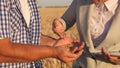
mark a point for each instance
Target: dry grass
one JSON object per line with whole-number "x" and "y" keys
{"x": 47, "y": 16}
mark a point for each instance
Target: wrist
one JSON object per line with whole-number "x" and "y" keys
{"x": 55, "y": 43}
{"x": 47, "y": 40}
{"x": 55, "y": 52}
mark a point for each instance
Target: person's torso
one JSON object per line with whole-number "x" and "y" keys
{"x": 14, "y": 26}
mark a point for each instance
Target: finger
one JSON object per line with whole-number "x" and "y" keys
{"x": 74, "y": 49}
{"x": 70, "y": 55}
{"x": 81, "y": 46}
{"x": 79, "y": 53}
{"x": 114, "y": 59}
{"x": 75, "y": 41}
{"x": 55, "y": 24}
{"x": 71, "y": 59}
{"x": 105, "y": 53}
{"x": 67, "y": 59}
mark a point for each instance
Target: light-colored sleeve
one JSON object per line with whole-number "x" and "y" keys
{"x": 63, "y": 23}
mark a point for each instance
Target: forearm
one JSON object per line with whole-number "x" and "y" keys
{"x": 4, "y": 59}
{"x": 46, "y": 40}
{"x": 25, "y": 52}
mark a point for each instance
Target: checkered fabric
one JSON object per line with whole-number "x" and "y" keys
{"x": 13, "y": 26}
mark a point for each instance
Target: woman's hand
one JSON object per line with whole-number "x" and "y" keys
{"x": 111, "y": 58}
{"x": 58, "y": 28}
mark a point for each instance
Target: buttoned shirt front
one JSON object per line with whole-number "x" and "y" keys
{"x": 101, "y": 20}
{"x": 13, "y": 25}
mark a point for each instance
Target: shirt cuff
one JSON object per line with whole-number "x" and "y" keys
{"x": 63, "y": 22}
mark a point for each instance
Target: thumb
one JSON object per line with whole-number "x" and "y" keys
{"x": 74, "y": 49}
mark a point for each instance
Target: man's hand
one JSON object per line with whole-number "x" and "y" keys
{"x": 65, "y": 41}
{"x": 111, "y": 58}
{"x": 66, "y": 55}
{"x": 58, "y": 28}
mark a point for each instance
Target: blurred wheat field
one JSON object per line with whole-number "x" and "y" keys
{"x": 47, "y": 16}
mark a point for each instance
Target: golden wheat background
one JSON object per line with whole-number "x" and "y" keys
{"x": 47, "y": 16}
